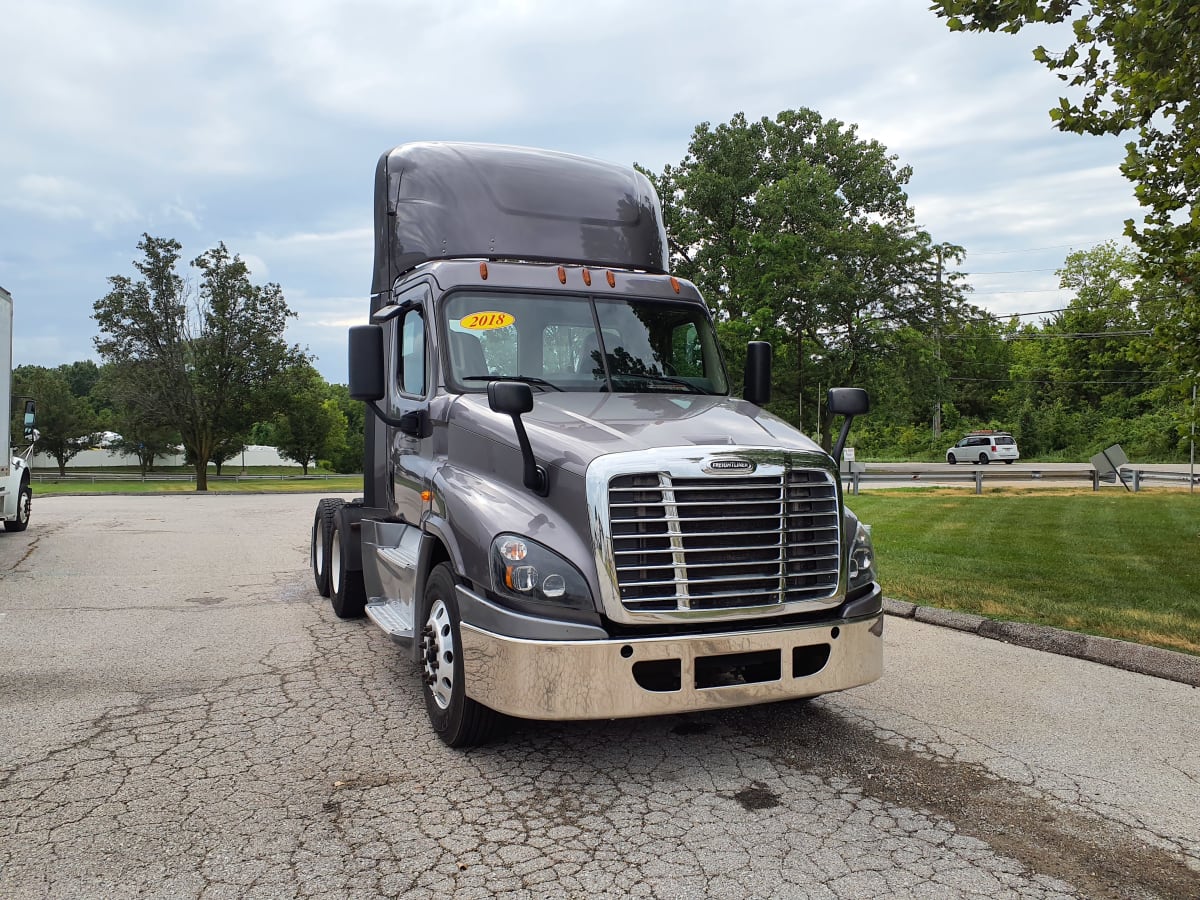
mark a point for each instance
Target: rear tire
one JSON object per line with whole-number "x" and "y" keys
{"x": 347, "y": 594}
{"x": 1009, "y": 462}
{"x": 322, "y": 537}
{"x": 458, "y": 720}
{"x": 24, "y": 509}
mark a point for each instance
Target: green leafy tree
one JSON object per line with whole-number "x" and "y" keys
{"x": 66, "y": 422}
{"x": 800, "y": 233}
{"x": 349, "y": 457}
{"x": 140, "y": 436}
{"x": 202, "y": 359}
{"x": 310, "y": 425}
{"x": 1135, "y": 65}
{"x": 228, "y": 449}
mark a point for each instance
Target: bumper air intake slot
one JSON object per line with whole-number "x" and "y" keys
{"x": 658, "y": 675}
{"x": 809, "y": 660}
{"x": 737, "y": 668}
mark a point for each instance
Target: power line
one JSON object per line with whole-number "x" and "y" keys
{"x": 1025, "y": 250}
{"x": 1023, "y": 291}
{"x": 1058, "y": 381}
{"x": 1008, "y": 271}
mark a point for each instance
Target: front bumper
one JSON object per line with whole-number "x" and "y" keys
{"x": 590, "y": 679}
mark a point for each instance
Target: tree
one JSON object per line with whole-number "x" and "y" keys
{"x": 310, "y": 425}
{"x": 66, "y": 422}
{"x": 204, "y": 359}
{"x": 1137, "y": 65}
{"x": 800, "y": 232}
{"x": 349, "y": 457}
{"x": 140, "y": 436}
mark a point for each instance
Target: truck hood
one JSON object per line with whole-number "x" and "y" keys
{"x": 571, "y": 429}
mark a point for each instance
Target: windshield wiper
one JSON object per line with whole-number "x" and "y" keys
{"x": 662, "y": 379}
{"x": 527, "y": 379}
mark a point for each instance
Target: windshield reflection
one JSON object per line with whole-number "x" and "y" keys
{"x": 580, "y": 343}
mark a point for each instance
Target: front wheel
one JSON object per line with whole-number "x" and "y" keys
{"x": 24, "y": 509}
{"x": 951, "y": 458}
{"x": 983, "y": 459}
{"x": 458, "y": 720}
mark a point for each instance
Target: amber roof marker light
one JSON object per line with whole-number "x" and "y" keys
{"x": 612, "y": 280}
{"x": 483, "y": 271}
{"x": 675, "y": 283}
{"x": 587, "y": 277}
{"x": 562, "y": 275}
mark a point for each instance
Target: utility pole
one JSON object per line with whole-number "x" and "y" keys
{"x": 1192, "y": 464}
{"x": 937, "y": 351}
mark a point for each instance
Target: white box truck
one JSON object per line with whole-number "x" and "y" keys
{"x": 16, "y": 494}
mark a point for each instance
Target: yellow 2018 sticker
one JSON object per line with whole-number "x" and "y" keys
{"x": 486, "y": 321}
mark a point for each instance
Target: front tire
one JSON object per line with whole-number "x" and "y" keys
{"x": 347, "y": 593}
{"x": 458, "y": 720}
{"x": 951, "y": 458}
{"x": 983, "y": 459}
{"x": 24, "y": 509}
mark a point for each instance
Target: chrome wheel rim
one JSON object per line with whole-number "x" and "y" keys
{"x": 439, "y": 654}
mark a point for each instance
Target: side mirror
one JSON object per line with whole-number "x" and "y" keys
{"x": 848, "y": 402}
{"x": 757, "y": 384}
{"x": 515, "y": 398}
{"x": 366, "y": 363}
{"x": 30, "y": 409}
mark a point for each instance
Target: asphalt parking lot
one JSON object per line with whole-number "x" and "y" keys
{"x": 183, "y": 716}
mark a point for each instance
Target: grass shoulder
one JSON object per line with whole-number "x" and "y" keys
{"x": 1119, "y": 565}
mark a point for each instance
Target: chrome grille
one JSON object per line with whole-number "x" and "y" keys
{"x": 724, "y": 542}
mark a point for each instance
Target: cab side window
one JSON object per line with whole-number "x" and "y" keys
{"x": 411, "y": 370}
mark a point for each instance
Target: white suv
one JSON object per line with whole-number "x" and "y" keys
{"x": 984, "y": 446}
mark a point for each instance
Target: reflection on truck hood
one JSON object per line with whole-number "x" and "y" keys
{"x": 572, "y": 429}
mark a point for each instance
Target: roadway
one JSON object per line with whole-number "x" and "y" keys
{"x": 183, "y": 716}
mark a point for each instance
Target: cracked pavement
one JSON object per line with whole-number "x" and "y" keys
{"x": 183, "y": 716}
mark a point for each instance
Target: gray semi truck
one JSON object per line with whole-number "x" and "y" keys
{"x": 565, "y": 513}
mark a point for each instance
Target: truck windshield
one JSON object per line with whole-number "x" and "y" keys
{"x": 553, "y": 343}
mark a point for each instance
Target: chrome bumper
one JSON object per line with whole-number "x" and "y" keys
{"x": 598, "y": 679}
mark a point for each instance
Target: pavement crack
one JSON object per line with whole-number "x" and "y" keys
{"x": 1099, "y": 857}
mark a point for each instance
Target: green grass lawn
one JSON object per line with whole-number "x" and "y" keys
{"x": 1120, "y": 565}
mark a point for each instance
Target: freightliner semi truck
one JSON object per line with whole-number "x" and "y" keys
{"x": 565, "y": 512}
{"x": 16, "y": 493}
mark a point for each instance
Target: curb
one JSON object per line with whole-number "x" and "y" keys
{"x": 1155, "y": 661}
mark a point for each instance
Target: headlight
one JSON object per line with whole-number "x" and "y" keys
{"x": 862, "y": 558}
{"x": 525, "y": 570}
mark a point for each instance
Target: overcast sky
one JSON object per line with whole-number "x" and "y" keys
{"x": 259, "y": 124}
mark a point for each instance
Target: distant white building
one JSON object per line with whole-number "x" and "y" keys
{"x": 100, "y": 456}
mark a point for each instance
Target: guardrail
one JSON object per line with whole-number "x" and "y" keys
{"x": 978, "y": 476}
{"x": 1132, "y": 478}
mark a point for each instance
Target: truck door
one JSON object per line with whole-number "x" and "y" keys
{"x": 411, "y": 453}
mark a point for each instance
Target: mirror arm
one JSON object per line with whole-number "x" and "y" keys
{"x": 414, "y": 424}
{"x": 841, "y": 441}
{"x": 535, "y": 477}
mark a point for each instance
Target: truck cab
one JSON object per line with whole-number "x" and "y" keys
{"x": 566, "y": 515}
